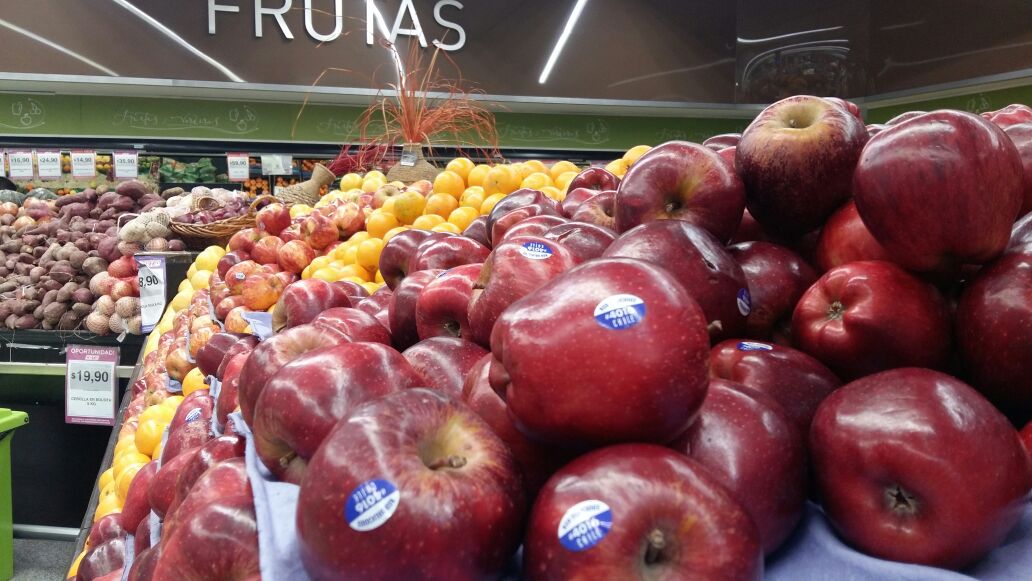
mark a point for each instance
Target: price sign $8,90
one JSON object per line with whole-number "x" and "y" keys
{"x": 152, "y": 290}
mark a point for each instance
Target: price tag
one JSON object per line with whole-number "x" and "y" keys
{"x": 3, "y": 163}
{"x": 238, "y": 167}
{"x": 152, "y": 290}
{"x": 277, "y": 165}
{"x": 48, "y": 164}
{"x": 21, "y": 164}
{"x": 408, "y": 158}
{"x": 90, "y": 385}
{"x": 84, "y": 164}
{"x": 126, "y": 165}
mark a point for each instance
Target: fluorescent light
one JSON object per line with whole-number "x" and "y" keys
{"x": 559, "y": 44}
{"x": 57, "y": 47}
{"x": 382, "y": 25}
{"x": 178, "y": 39}
{"x": 790, "y": 35}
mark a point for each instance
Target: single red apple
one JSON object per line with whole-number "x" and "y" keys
{"x": 402, "y": 308}
{"x": 358, "y": 326}
{"x": 776, "y": 278}
{"x": 477, "y": 230}
{"x": 266, "y": 250}
{"x": 217, "y": 541}
{"x": 594, "y": 178}
{"x": 905, "y": 116}
{"x": 1021, "y": 135}
{"x": 102, "y": 559}
{"x": 533, "y": 226}
{"x": 244, "y": 240}
{"x": 349, "y": 219}
{"x": 518, "y": 199}
{"x": 447, "y": 252}
{"x": 599, "y": 209}
{"x": 211, "y": 453}
{"x": 845, "y": 239}
{"x": 272, "y": 219}
{"x": 502, "y": 225}
{"x": 106, "y": 528}
{"x": 722, "y": 141}
{"x": 163, "y": 485}
{"x": 318, "y": 231}
{"x": 377, "y": 305}
{"x": 443, "y": 362}
{"x": 575, "y": 197}
{"x": 302, "y": 302}
{"x": 396, "y": 254}
{"x": 136, "y": 506}
{"x": 584, "y": 240}
{"x": 1010, "y": 115}
{"x": 442, "y": 307}
{"x": 295, "y": 255}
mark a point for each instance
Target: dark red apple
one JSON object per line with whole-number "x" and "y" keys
{"x": 198, "y": 406}
{"x": 477, "y": 230}
{"x": 518, "y": 199}
{"x": 229, "y": 260}
{"x": 798, "y": 382}
{"x": 418, "y": 476}
{"x": 217, "y": 541}
{"x": 776, "y": 278}
{"x": 244, "y": 239}
{"x": 615, "y": 350}
{"x": 305, "y": 398}
{"x": 447, "y": 252}
{"x": 749, "y": 230}
{"x": 144, "y": 562}
{"x": 1010, "y": 115}
{"x": 722, "y": 141}
{"x": 844, "y": 238}
{"x": 442, "y": 308}
{"x": 244, "y": 345}
{"x": 395, "y": 256}
{"x": 905, "y": 116}
{"x": 163, "y": 485}
{"x": 914, "y": 465}
{"x": 225, "y": 479}
{"x": 1021, "y": 135}
{"x": 685, "y": 181}
{"x": 402, "y": 309}
{"x": 533, "y": 226}
{"x": 442, "y": 363}
{"x": 623, "y": 512}
{"x": 994, "y": 330}
{"x": 351, "y": 289}
{"x": 266, "y": 250}
{"x": 106, "y": 528}
{"x": 272, "y": 219}
{"x": 940, "y": 191}
{"x": 515, "y": 268}
{"x": 378, "y": 305}
{"x": 599, "y": 209}
{"x": 749, "y": 444}
{"x": 136, "y": 506}
{"x": 797, "y": 159}
{"x": 359, "y": 326}
{"x": 1026, "y": 438}
{"x": 302, "y": 302}
{"x": 102, "y": 559}
{"x": 584, "y": 240}
{"x": 209, "y": 357}
{"x": 594, "y": 178}
{"x": 501, "y": 226}
{"x": 1021, "y": 236}
{"x": 208, "y": 455}
{"x": 700, "y": 263}
{"x": 189, "y": 436}
{"x": 574, "y": 198}
{"x": 870, "y": 316}
{"x": 850, "y": 106}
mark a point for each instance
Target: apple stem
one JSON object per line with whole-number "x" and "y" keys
{"x": 449, "y": 462}
{"x": 656, "y": 544}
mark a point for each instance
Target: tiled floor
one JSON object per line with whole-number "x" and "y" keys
{"x": 37, "y": 560}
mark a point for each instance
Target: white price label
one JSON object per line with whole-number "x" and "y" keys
{"x": 152, "y": 290}
{"x": 238, "y": 167}
{"x": 277, "y": 165}
{"x": 48, "y": 164}
{"x": 126, "y": 165}
{"x": 90, "y": 385}
{"x": 3, "y": 163}
{"x": 21, "y": 164}
{"x": 84, "y": 164}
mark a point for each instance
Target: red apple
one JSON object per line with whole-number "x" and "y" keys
{"x": 442, "y": 305}
{"x": 295, "y": 255}
{"x": 797, "y": 159}
{"x": 749, "y": 230}
{"x": 378, "y": 305}
{"x": 447, "y": 252}
{"x": 685, "y": 181}
{"x": 776, "y": 278}
{"x": 722, "y": 141}
{"x": 914, "y": 465}
{"x": 585, "y": 241}
{"x": 994, "y": 330}
{"x": 594, "y": 178}
{"x": 1021, "y": 135}
{"x": 261, "y": 291}
{"x": 244, "y": 345}
{"x": 304, "y": 400}
{"x": 849, "y": 106}
{"x": 352, "y": 290}
{"x": 238, "y": 273}
{"x": 1026, "y": 438}
{"x": 534, "y": 226}
{"x": 225, "y": 479}
{"x": 614, "y": 350}
{"x": 955, "y": 189}
{"x": 144, "y": 562}
{"x": 748, "y": 443}
{"x": 504, "y": 223}
{"x": 244, "y": 239}
{"x": 210, "y": 357}
{"x": 349, "y": 219}
{"x": 106, "y": 528}
{"x": 136, "y": 506}
{"x": 518, "y": 199}
{"x": 798, "y": 382}
{"x": 302, "y": 302}
{"x": 318, "y": 231}
{"x": 599, "y": 209}
{"x": 875, "y": 128}
{"x": 356, "y": 325}
{"x": 845, "y": 239}
{"x": 477, "y": 230}
{"x": 230, "y": 259}
{"x": 199, "y": 405}
{"x": 575, "y": 197}
{"x": 381, "y": 195}
{"x": 905, "y": 116}
{"x": 1021, "y": 236}
{"x": 266, "y": 250}
{"x": 102, "y": 559}
{"x": 163, "y": 485}
{"x": 639, "y": 511}
{"x": 211, "y": 453}
{"x": 272, "y": 219}
{"x": 1010, "y": 115}
{"x": 190, "y": 436}
{"x": 515, "y": 268}
{"x": 394, "y": 259}
{"x": 699, "y": 263}
{"x": 442, "y": 363}
{"x": 217, "y": 541}
{"x": 401, "y": 311}
{"x": 228, "y": 394}
{"x": 870, "y": 316}
{"x": 407, "y": 459}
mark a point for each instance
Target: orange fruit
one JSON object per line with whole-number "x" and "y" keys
{"x": 193, "y": 381}
{"x": 368, "y": 254}
{"x": 490, "y": 202}
{"x": 125, "y": 479}
{"x": 473, "y": 197}
{"x": 107, "y": 492}
{"x": 350, "y": 181}
{"x": 617, "y": 167}
{"x": 536, "y": 166}
{"x": 106, "y": 507}
{"x": 388, "y": 205}
{"x": 327, "y": 273}
{"x": 449, "y": 182}
{"x": 409, "y": 206}
{"x": 502, "y": 179}
{"x": 461, "y": 166}
{"x": 441, "y": 204}
{"x": 359, "y": 237}
{"x": 446, "y": 227}
{"x": 157, "y": 412}
{"x": 536, "y": 181}
{"x": 371, "y": 184}
{"x": 634, "y": 153}
{"x": 560, "y": 167}
{"x": 563, "y": 181}
{"x": 126, "y": 443}
{"x": 379, "y": 223}
{"x": 427, "y": 221}
{"x": 346, "y": 254}
{"x": 173, "y": 401}
{"x": 522, "y": 170}
{"x": 463, "y": 217}
{"x": 476, "y": 176}
{"x": 393, "y": 232}
{"x": 74, "y": 569}
{"x": 554, "y": 193}
{"x": 148, "y": 435}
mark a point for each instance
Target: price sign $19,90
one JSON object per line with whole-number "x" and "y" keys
{"x": 90, "y": 385}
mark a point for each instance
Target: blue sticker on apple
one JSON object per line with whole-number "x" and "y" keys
{"x": 585, "y": 524}
{"x": 753, "y": 346}
{"x": 371, "y": 504}
{"x": 192, "y": 415}
{"x": 536, "y": 250}
{"x": 620, "y": 312}
{"x": 744, "y": 302}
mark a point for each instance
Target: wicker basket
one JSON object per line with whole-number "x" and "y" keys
{"x": 200, "y": 236}
{"x": 413, "y": 166}
{"x": 309, "y": 191}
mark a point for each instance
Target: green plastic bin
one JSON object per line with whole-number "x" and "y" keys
{"x": 9, "y": 420}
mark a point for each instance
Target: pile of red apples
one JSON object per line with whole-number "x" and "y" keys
{"x": 651, "y": 378}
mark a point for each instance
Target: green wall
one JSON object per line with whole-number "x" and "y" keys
{"x": 91, "y": 116}
{"x": 974, "y": 102}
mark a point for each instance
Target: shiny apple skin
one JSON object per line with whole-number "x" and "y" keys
{"x": 994, "y": 332}
{"x": 844, "y": 239}
{"x": 870, "y": 316}
{"x": 218, "y": 541}
{"x": 599, "y": 209}
{"x": 575, "y": 382}
{"x": 534, "y": 226}
{"x": 442, "y": 308}
{"x": 575, "y": 197}
{"x": 477, "y": 230}
{"x": 584, "y": 240}
{"x": 451, "y": 523}
{"x": 442, "y": 363}
{"x": 1021, "y": 236}
{"x": 395, "y": 256}
{"x": 776, "y": 277}
{"x": 940, "y": 190}
{"x": 936, "y": 440}
{"x": 518, "y": 199}
{"x": 401, "y": 311}
{"x": 705, "y": 532}
{"x": 358, "y": 326}
{"x": 685, "y": 181}
{"x": 594, "y": 178}
{"x": 1021, "y": 135}
{"x": 722, "y": 141}
{"x": 503, "y": 224}
{"x": 447, "y": 252}
{"x": 750, "y": 445}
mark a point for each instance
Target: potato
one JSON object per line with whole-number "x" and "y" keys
{"x": 82, "y": 295}
{"x": 65, "y": 294}
{"x": 77, "y": 258}
{"x": 82, "y": 309}
{"x": 53, "y": 312}
{"x": 49, "y": 297}
{"x": 69, "y": 321}
{"x": 37, "y": 313}
{"x": 37, "y": 273}
{"x": 93, "y": 265}
{"x": 133, "y": 189}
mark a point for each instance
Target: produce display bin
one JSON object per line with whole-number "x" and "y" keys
{"x": 9, "y": 421}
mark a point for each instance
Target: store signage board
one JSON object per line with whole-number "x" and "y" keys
{"x": 21, "y": 165}
{"x": 91, "y": 385}
{"x": 277, "y": 165}
{"x": 238, "y": 166}
{"x": 152, "y": 290}
{"x": 84, "y": 163}
{"x": 126, "y": 165}
{"x": 48, "y": 164}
